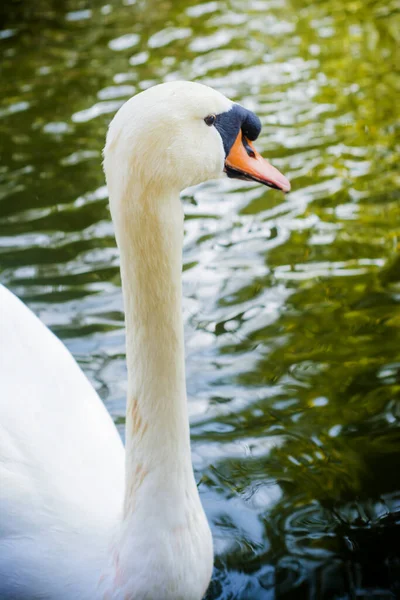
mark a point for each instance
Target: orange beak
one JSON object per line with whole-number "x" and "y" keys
{"x": 244, "y": 162}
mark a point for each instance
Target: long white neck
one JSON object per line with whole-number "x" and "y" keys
{"x": 163, "y": 548}
{"x": 150, "y": 235}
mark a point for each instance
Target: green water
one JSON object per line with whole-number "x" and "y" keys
{"x": 291, "y": 304}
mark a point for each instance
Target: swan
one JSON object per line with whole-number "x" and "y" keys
{"x": 80, "y": 517}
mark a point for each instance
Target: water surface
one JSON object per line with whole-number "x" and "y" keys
{"x": 291, "y": 304}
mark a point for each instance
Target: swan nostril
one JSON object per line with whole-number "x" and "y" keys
{"x": 248, "y": 148}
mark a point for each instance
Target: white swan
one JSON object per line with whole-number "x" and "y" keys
{"x": 79, "y": 520}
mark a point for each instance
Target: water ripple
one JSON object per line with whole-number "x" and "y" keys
{"x": 291, "y": 305}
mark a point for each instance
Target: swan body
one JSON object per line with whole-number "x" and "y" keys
{"x": 61, "y": 463}
{"x": 80, "y": 518}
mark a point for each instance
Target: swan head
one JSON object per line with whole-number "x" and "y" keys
{"x": 178, "y": 134}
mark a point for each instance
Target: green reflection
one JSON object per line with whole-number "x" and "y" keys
{"x": 291, "y": 304}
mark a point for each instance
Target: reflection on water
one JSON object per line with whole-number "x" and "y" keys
{"x": 291, "y": 304}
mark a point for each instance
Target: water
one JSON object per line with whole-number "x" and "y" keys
{"x": 291, "y": 304}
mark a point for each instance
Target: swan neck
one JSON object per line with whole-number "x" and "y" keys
{"x": 150, "y": 237}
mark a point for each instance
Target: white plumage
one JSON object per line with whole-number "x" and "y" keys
{"x": 61, "y": 464}
{"x": 80, "y": 518}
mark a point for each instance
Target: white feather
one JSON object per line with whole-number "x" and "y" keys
{"x": 61, "y": 463}
{"x": 68, "y": 527}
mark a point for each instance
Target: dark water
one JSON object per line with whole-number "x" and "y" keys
{"x": 292, "y": 305}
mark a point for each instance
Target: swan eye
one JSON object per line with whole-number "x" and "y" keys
{"x": 210, "y": 120}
